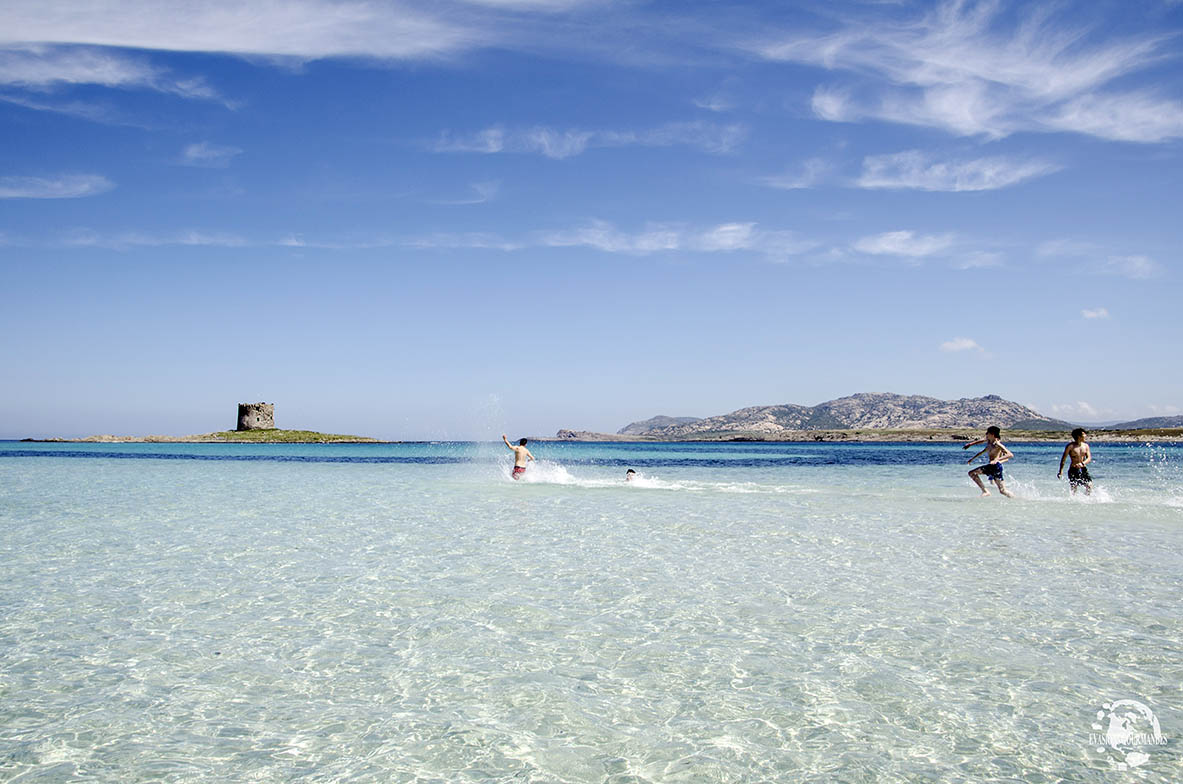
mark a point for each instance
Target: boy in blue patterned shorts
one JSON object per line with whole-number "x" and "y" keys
{"x": 998, "y": 454}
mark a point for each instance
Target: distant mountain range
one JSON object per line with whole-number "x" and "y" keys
{"x": 872, "y": 411}
{"x": 1148, "y": 423}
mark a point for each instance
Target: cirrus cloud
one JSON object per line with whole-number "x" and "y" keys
{"x": 981, "y": 68}
{"x": 669, "y": 237}
{"x": 558, "y": 144}
{"x": 303, "y": 29}
{"x": 919, "y": 171}
{"x": 961, "y": 344}
{"x": 64, "y": 186}
{"x": 904, "y": 243}
{"x": 39, "y": 67}
{"x": 208, "y": 155}
{"x": 1136, "y": 267}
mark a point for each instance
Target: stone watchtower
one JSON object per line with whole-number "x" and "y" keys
{"x": 256, "y": 416}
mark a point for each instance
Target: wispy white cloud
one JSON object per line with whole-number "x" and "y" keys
{"x": 972, "y": 68}
{"x": 490, "y": 140}
{"x": 64, "y": 186}
{"x": 303, "y": 29}
{"x": 977, "y": 259}
{"x": 81, "y": 109}
{"x": 727, "y": 236}
{"x": 209, "y": 155}
{"x": 917, "y": 170}
{"x": 652, "y": 238}
{"x": 1134, "y": 117}
{"x": 810, "y": 173}
{"x": 1078, "y": 410}
{"x": 1136, "y": 267}
{"x": 1095, "y": 313}
{"x": 961, "y": 344}
{"x": 714, "y": 103}
{"x": 602, "y": 235}
{"x": 44, "y": 66}
{"x": 452, "y": 241}
{"x": 41, "y": 67}
{"x": 558, "y": 144}
{"x": 1064, "y": 247}
{"x": 717, "y": 101}
{"x": 87, "y": 238}
{"x": 481, "y": 192}
{"x": 1098, "y": 260}
{"x": 904, "y": 243}
{"x": 531, "y": 5}
{"x": 655, "y": 238}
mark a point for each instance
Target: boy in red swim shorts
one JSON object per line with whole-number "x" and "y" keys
{"x": 521, "y": 456}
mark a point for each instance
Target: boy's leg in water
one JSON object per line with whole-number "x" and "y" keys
{"x": 975, "y": 474}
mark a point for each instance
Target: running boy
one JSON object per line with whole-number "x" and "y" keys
{"x": 1078, "y": 472}
{"x": 521, "y": 456}
{"x": 998, "y": 454}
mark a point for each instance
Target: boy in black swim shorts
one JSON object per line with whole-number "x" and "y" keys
{"x": 1078, "y": 473}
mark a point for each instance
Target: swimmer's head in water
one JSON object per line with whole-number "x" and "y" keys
{"x": 629, "y": 474}
{"x": 521, "y": 442}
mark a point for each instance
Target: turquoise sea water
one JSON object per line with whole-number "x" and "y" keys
{"x": 742, "y": 612}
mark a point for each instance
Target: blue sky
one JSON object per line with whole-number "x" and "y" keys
{"x": 454, "y": 219}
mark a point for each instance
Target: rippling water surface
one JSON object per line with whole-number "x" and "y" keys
{"x": 742, "y": 612}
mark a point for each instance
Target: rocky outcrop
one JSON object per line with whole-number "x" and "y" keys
{"x": 583, "y": 435}
{"x": 655, "y": 423}
{"x": 876, "y": 411}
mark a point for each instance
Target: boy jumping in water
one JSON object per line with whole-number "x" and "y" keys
{"x": 521, "y": 456}
{"x": 998, "y": 454}
{"x": 1078, "y": 472}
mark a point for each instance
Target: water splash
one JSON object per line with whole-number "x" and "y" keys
{"x": 551, "y": 473}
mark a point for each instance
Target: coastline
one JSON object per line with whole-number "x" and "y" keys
{"x": 865, "y": 435}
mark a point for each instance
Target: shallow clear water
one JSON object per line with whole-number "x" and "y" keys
{"x": 742, "y": 612}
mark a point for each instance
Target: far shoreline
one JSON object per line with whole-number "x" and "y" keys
{"x": 884, "y": 436}
{"x": 861, "y": 436}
